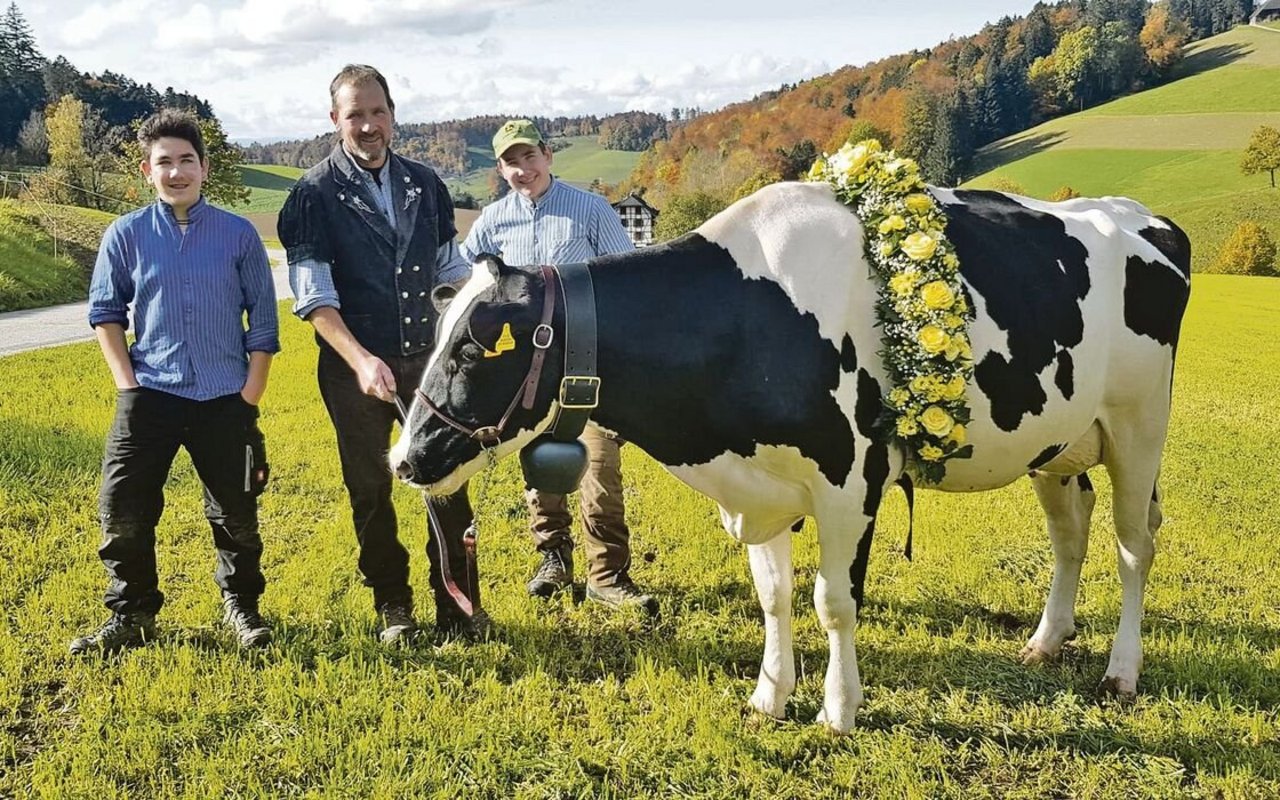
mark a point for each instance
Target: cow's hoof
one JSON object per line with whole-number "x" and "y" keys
{"x": 1032, "y": 654}
{"x": 1122, "y": 690}
{"x": 769, "y": 704}
{"x": 836, "y": 723}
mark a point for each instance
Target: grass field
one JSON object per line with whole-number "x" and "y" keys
{"x": 268, "y": 187}
{"x": 46, "y": 253}
{"x": 1175, "y": 148}
{"x": 572, "y": 701}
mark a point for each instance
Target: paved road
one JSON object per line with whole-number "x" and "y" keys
{"x": 47, "y": 327}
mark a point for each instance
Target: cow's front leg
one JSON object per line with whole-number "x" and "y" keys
{"x": 1068, "y": 504}
{"x": 838, "y": 613}
{"x": 771, "y": 570}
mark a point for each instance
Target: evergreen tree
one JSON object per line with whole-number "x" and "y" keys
{"x": 21, "y": 75}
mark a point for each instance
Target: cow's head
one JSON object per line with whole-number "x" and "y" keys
{"x": 473, "y": 392}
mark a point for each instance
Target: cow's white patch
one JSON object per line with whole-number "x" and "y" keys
{"x": 800, "y": 237}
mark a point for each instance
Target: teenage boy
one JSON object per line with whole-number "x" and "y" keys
{"x": 545, "y": 221}
{"x": 190, "y": 273}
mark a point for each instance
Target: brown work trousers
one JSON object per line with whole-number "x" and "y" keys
{"x": 600, "y": 502}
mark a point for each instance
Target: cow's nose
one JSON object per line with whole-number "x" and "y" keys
{"x": 404, "y": 472}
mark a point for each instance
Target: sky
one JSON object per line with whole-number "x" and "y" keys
{"x": 265, "y": 65}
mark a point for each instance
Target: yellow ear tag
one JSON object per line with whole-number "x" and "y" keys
{"x": 505, "y": 342}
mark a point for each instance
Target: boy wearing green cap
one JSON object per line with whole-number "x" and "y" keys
{"x": 546, "y": 221}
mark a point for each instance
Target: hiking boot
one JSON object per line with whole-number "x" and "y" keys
{"x": 240, "y": 614}
{"x": 398, "y": 624}
{"x": 118, "y": 633}
{"x": 623, "y": 594}
{"x": 554, "y": 574}
{"x": 475, "y": 628}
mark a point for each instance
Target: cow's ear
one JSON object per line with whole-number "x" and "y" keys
{"x": 495, "y": 265}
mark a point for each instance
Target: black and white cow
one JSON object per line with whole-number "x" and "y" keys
{"x": 743, "y": 357}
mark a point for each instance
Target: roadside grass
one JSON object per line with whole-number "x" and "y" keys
{"x": 1175, "y": 148}
{"x": 571, "y": 701}
{"x": 30, "y": 274}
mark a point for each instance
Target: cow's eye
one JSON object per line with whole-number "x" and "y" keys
{"x": 470, "y": 351}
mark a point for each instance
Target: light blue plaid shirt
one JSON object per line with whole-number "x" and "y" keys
{"x": 563, "y": 226}
{"x": 312, "y": 280}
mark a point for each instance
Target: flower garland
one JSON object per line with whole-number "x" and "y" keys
{"x": 921, "y": 308}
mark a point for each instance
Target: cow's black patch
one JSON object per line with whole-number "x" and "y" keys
{"x": 1032, "y": 276}
{"x": 875, "y": 471}
{"x": 868, "y": 407}
{"x": 1173, "y": 243}
{"x": 848, "y": 355}
{"x": 686, "y": 385}
{"x": 1154, "y": 298}
{"x": 1065, "y": 377}
{"x": 1046, "y": 455}
{"x": 1086, "y": 485}
{"x": 858, "y": 569}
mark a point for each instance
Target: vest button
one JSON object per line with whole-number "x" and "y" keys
{"x": 405, "y": 295}
{"x": 407, "y": 345}
{"x": 398, "y": 270}
{"x": 408, "y": 320}
{"x": 416, "y": 267}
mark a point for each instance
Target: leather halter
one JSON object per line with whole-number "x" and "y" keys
{"x": 579, "y": 389}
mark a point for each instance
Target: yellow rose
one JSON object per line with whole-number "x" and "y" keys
{"x": 886, "y": 248}
{"x": 936, "y": 421}
{"x": 904, "y": 283}
{"x": 953, "y": 322}
{"x": 818, "y": 170}
{"x": 871, "y": 145}
{"x": 937, "y": 295}
{"x": 893, "y": 222}
{"x": 921, "y": 383}
{"x": 918, "y": 203}
{"x": 951, "y": 261}
{"x": 963, "y": 344}
{"x": 907, "y": 426}
{"x": 933, "y": 339}
{"x": 899, "y": 397}
{"x": 953, "y": 389}
{"x": 919, "y": 246}
{"x": 958, "y": 435}
{"x": 930, "y": 453}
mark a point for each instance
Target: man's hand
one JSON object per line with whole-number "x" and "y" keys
{"x": 375, "y": 378}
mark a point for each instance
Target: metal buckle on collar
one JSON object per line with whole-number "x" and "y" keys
{"x": 579, "y": 391}
{"x": 549, "y": 334}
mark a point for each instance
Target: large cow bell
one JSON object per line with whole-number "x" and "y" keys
{"x": 553, "y": 466}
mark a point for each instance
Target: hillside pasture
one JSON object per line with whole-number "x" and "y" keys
{"x": 46, "y": 252}
{"x": 568, "y": 700}
{"x": 579, "y": 162}
{"x": 1175, "y": 148}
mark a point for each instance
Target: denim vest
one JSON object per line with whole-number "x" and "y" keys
{"x": 383, "y": 276}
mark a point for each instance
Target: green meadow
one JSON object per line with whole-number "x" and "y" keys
{"x": 569, "y": 700}
{"x": 1176, "y": 147}
{"x": 46, "y": 253}
{"x": 268, "y": 184}
{"x": 581, "y": 161}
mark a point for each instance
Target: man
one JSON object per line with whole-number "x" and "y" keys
{"x": 368, "y": 235}
{"x": 545, "y": 221}
{"x": 192, "y": 379}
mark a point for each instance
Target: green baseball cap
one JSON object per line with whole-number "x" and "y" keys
{"x": 515, "y": 131}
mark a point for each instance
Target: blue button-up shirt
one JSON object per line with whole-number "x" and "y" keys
{"x": 564, "y": 226}
{"x": 189, "y": 296}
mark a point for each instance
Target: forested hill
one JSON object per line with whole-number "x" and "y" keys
{"x": 936, "y": 105}
{"x": 457, "y": 147}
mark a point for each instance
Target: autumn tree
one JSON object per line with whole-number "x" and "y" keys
{"x": 1162, "y": 38}
{"x": 1249, "y": 250}
{"x": 863, "y": 130}
{"x": 683, "y": 213}
{"x": 1263, "y": 153}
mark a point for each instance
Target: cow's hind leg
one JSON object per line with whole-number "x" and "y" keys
{"x": 772, "y": 572}
{"x": 1068, "y": 504}
{"x": 838, "y": 613}
{"x": 1134, "y": 464}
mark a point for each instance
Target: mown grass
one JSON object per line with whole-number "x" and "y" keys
{"x": 1176, "y": 148}
{"x": 572, "y": 701}
{"x": 268, "y": 184}
{"x": 31, "y": 275}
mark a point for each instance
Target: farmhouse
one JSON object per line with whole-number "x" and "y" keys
{"x": 638, "y": 218}
{"x": 1268, "y": 11}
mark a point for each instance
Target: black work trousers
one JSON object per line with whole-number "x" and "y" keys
{"x": 363, "y": 425}
{"x": 222, "y": 437}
